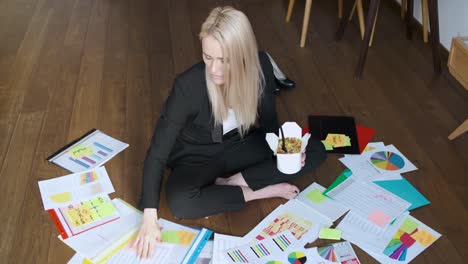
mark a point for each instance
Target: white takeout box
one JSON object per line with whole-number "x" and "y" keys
{"x": 288, "y": 163}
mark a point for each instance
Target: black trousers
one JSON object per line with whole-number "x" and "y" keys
{"x": 190, "y": 189}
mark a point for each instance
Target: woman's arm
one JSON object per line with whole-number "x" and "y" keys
{"x": 177, "y": 109}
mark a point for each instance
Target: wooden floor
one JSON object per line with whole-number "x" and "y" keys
{"x": 67, "y": 66}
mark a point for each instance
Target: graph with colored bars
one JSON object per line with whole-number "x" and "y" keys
{"x": 88, "y": 177}
{"x": 237, "y": 256}
{"x": 286, "y": 221}
{"x": 253, "y": 252}
{"x": 282, "y": 242}
{"x": 93, "y": 154}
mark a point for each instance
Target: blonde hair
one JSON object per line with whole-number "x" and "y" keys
{"x": 244, "y": 81}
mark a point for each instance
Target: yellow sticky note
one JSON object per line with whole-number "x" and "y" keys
{"x": 316, "y": 196}
{"x": 326, "y": 145}
{"x": 106, "y": 209}
{"x": 185, "y": 237}
{"x": 409, "y": 226}
{"x": 336, "y": 140}
{"x": 80, "y": 150}
{"x": 170, "y": 236}
{"x": 61, "y": 197}
{"x": 423, "y": 237}
{"x": 330, "y": 233}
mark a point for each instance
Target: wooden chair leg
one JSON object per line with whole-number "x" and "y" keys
{"x": 340, "y": 9}
{"x": 305, "y": 23}
{"x": 353, "y": 10}
{"x": 435, "y": 41}
{"x": 347, "y": 5}
{"x": 459, "y": 130}
{"x": 424, "y": 20}
{"x": 290, "y": 9}
{"x": 374, "y": 4}
{"x": 360, "y": 11}
{"x": 403, "y": 8}
{"x": 373, "y": 27}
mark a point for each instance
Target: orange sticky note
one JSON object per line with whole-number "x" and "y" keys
{"x": 423, "y": 237}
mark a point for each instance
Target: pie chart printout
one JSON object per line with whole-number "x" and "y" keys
{"x": 387, "y": 160}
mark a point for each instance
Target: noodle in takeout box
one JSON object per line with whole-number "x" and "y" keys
{"x": 288, "y": 162}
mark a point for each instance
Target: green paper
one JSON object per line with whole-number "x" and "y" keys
{"x": 336, "y": 182}
{"x": 347, "y": 141}
{"x": 316, "y": 196}
{"x": 170, "y": 236}
{"x": 408, "y": 226}
{"x": 106, "y": 209}
{"x": 326, "y": 145}
{"x": 330, "y": 233}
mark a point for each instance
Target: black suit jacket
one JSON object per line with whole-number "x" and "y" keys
{"x": 186, "y": 126}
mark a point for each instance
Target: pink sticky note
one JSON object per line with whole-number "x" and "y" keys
{"x": 379, "y": 218}
{"x": 407, "y": 240}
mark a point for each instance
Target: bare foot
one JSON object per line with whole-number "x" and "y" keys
{"x": 283, "y": 190}
{"x": 234, "y": 180}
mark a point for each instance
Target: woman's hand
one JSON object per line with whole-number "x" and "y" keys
{"x": 148, "y": 236}
{"x": 303, "y": 159}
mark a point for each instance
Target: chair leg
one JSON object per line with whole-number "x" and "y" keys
{"x": 290, "y": 9}
{"x": 353, "y": 10}
{"x": 373, "y": 27}
{"x": 435, "y": 41}
{"x": 459, "y": 130}
{"x": 403, "y": 8}
{"x": 374, "y": 4}
{"x": 340, "y": 9}
{"x": 305, "y": 23}
{"x": 343, "y": 21}
{"x": 360, "y": 11}
{"x": 424, "y": 20}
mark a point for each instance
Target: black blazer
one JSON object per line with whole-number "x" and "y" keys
{"x": 186, "y": 126}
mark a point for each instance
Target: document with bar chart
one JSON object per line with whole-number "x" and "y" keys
{"x": 90, "y": 151}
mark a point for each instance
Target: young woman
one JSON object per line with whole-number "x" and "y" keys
{"x": 211, "y": 132}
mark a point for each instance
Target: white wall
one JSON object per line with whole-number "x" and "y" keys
{"x": 453, "y": 19}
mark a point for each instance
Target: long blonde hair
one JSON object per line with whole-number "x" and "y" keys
{"x": 244, "y": 81}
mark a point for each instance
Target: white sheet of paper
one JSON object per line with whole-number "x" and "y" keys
{"x": 343, "y": 252}
{"x": 72, "y": 230}
{"x": 206, "y": 255}
{"x": 370, "y": 201}
{"x": 221, "y": 243}
{"x": 303, "y": 221}
{"x": 100, "y": 241}
{"x": 357, "y": 229}
{"x": 103, "y": 149}
{"x": 259, "y": 251}
{"x": 383, "y": 253}
{"x": 64, "y": 190}
{"x": 398, "y": 162}
{"x": 325, "y": 205}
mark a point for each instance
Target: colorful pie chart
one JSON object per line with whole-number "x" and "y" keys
{"x": 387, "y": 160}
{"x": 297, "y": 257}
